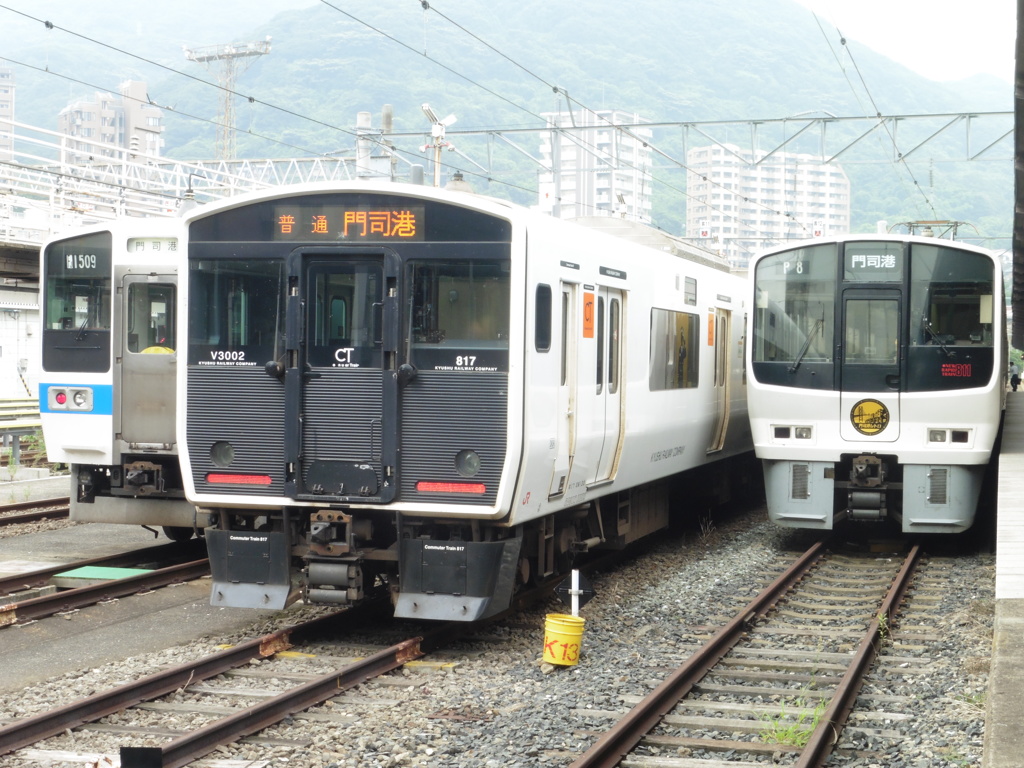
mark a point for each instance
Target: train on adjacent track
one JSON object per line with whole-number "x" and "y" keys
{"x": 877, "y": 379}
{"x": 109, "y": 357}
{"x": 390, "y": 388}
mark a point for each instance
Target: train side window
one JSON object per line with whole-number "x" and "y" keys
{"x": 690, "y": 292}
{"x": 614, "y": 339}
{"x": 542, "y": 320}
{"x": 565, "y": 337}
{"x": 600, "y": 344}
{"x": 674, "y": 362}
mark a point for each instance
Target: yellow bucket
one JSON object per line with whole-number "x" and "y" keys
{"x": 562, "y": 637}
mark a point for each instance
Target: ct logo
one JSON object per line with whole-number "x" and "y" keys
{"x": 344, "y": 355}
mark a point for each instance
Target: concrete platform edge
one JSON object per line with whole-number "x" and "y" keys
{"x": 1004, "y": 734}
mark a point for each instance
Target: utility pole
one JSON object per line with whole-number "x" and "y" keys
{"x": 437, "y": 129}
{"x": 228, "y": 60}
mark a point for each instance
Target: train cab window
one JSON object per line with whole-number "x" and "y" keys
{"x": 674, "y": 361}
{"x": 77, "y": 291}
{"x": 236, "y": 311}
{"x": 459, "y": 314}
{"x": 952, "y": 319}
{"x": 149, "y": 321}
{"x": 795, "y": 297}
{"x": 951, "y": 297}
{"x": 77, "y": 305}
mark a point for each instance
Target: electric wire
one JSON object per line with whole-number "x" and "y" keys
{"x": 623, "y": 130}
{"x": 874, "y": 106}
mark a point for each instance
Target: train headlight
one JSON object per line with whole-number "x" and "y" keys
{"x": 936, "y": 435}
{"x": 802, "y": 433}
{"x": 467, "y": 463}
{"x": 222, "y": 453}
{"x": 61, "y": 398}
{"x": 77, "y": 398}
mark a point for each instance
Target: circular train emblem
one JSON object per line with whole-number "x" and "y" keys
{"x": 869, "y": 417}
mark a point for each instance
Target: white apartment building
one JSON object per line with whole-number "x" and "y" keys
{"x": 104, "y": 124}
{"x": 739, "y": 203}
{"x": 598, "y": 169}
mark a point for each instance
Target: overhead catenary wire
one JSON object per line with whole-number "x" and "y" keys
{"x": 876, "y": 112}
{"x": 425, "y": 4}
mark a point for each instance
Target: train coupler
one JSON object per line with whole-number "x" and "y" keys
{"x": 337, "y": 582}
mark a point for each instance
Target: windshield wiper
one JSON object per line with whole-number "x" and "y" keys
{"x": 935, "y": 337}
{"x": 815, "y": 330}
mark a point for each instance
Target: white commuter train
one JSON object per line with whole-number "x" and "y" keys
{"x": 877, "y": 379}
{"x": 438, "y": 394}
{"x": 109, "y": 354}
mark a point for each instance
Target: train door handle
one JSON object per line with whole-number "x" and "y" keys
{"x": 892, "y": 381}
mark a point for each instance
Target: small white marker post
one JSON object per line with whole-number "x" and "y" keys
{"x": 575, "y": 592}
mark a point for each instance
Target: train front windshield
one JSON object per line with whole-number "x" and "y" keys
{"x": 77, "y": 311}
{"x": 919, "y": 317}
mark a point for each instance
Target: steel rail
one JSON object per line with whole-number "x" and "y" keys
{"x": 623, "y": 737}
{"x": 40, "y": 576}
{"x": 833, "y": 720}
{"x": 22, "y": 733}
{"x": 47, "y": 605}
{"x": 58, "y": 508}
{"x": 32, "y": 504}
{"x": 34, "y": 517}
{"x": 184, "y": 749}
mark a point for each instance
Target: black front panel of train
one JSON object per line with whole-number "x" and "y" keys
{"x": 349, "y": 348}
{"x": 444, "y": 415}
{"x": 235, "y": 418}
{"x": 876, "y": 316}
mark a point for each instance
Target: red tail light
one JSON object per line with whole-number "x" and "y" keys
{"x": 220, "y": 478}
{"x": 426, "y": 486}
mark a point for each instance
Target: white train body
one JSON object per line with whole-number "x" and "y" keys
{"x": 441, "y": 391}
{"x": 107, "y": 389}
{"x": 877, "y": 379}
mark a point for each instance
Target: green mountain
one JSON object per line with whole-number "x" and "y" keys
{"x": 500, "y": 64}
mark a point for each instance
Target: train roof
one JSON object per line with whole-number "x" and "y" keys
{"x": 636, "y": 232}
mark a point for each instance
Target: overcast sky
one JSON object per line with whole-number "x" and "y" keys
{"x": 940, "y": 41}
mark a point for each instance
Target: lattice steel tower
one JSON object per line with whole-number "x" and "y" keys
{"x": 228, "y": 60}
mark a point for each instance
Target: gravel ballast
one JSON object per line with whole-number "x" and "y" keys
{"x": 498, "y": 705}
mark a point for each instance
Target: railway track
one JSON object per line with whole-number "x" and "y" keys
{"x": 45, "y": 509}
{"x": 779, "y": 680}
{"x": 291, "y": 679}
{"x": 30, "y": 596}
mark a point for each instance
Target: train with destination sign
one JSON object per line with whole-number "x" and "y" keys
{"x": 877, "y": 379}
{"x": 390, "y": 389}
{"x": 108, "y": 303}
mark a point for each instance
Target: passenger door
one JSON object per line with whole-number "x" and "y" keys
{"x": 870, "y": 364}
{"x": 148, "y": 362}
{"x": 341, "y": 412}
{"x": 565, "y": 437}
{"x": 720, "y": 326}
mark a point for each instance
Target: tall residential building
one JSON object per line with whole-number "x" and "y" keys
{"x": 104, "y": 124}
{"x": 740, "y": 203}
{"x": 6, "y": 112}
{"x": 597, "y": 169}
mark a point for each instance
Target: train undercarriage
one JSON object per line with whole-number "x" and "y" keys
{"x": 431, "y": 569}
